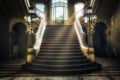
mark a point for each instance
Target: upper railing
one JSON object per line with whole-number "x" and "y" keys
{"x": 80, "y": 33}
{"x": 39, "y": 34}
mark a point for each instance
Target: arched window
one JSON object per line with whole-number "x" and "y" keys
{"x": 40, "y": 8}
{"x": 59, "y": 9}
{"x": 79, "y": 9}
{"x": 64, "y": 1}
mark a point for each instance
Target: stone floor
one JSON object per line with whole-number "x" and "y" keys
{"x": 11, "y": 70}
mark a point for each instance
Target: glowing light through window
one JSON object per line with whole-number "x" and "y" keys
{"x": 40, "y": 10}
{"x": 59, "y": 10}
{"x": 79, "y": 9}
{"x": 54, "y": 1}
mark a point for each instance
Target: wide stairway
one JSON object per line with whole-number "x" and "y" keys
{"x": 60, "y": 54}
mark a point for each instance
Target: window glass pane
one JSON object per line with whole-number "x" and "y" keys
{"x": 54, "y": 1}
{"x": 59, "y": 13}
{"x": 65, "y": 13}
{"x": 59, "y": 10}
{"x": 53, "y": 13}
{"x": 59, "y": 4}
{"x": 40, "y": 10}
{"x": 57, "y": 0}
{"x": 65, "y": 1}
{"x": 40, "y": 7}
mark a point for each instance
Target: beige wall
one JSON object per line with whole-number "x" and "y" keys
{"x": 13, "y": 21}
{"x": 116, "y": 27}
{"x": 115, "y": 32}
{"x": 21, "y": 42}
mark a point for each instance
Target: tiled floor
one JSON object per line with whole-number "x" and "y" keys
{"x": 11, "y": 70}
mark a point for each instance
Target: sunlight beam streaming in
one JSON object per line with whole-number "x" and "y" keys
{"x": 79, "y": 9}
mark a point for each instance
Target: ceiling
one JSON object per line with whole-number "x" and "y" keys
{"x": 14, "y": 8}
{"x": 102, "y": 8}
{"x": 106, "y": 8}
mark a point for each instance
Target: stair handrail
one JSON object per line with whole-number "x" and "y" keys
{"x": 80, "y": 33}
{"x": 83, "y": 45}
{"x": 39, "y": 35}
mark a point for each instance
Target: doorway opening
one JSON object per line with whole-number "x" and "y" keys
{"x": 59, "y": 11}
{"x": 19, "y": 40}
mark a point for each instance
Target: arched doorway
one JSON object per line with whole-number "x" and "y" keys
{"x": 19, "y": 40}
{"x": 59, "y": 11}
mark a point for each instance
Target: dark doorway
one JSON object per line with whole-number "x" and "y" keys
{"x": 19, "y": 40}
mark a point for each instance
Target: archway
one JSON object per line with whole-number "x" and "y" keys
{"x": 59, "y": 11}
{"x": 19, "y": 40}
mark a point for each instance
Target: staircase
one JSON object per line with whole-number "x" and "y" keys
{"x": 60, "y": 54}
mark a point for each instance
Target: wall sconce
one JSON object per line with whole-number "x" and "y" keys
{"x": 27, "y": 19}
{"x": 93, "y": 17}
{"x": 86, "y": 19}
{"x": 89, "y": 10}
{"x": 89, "y": 15}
